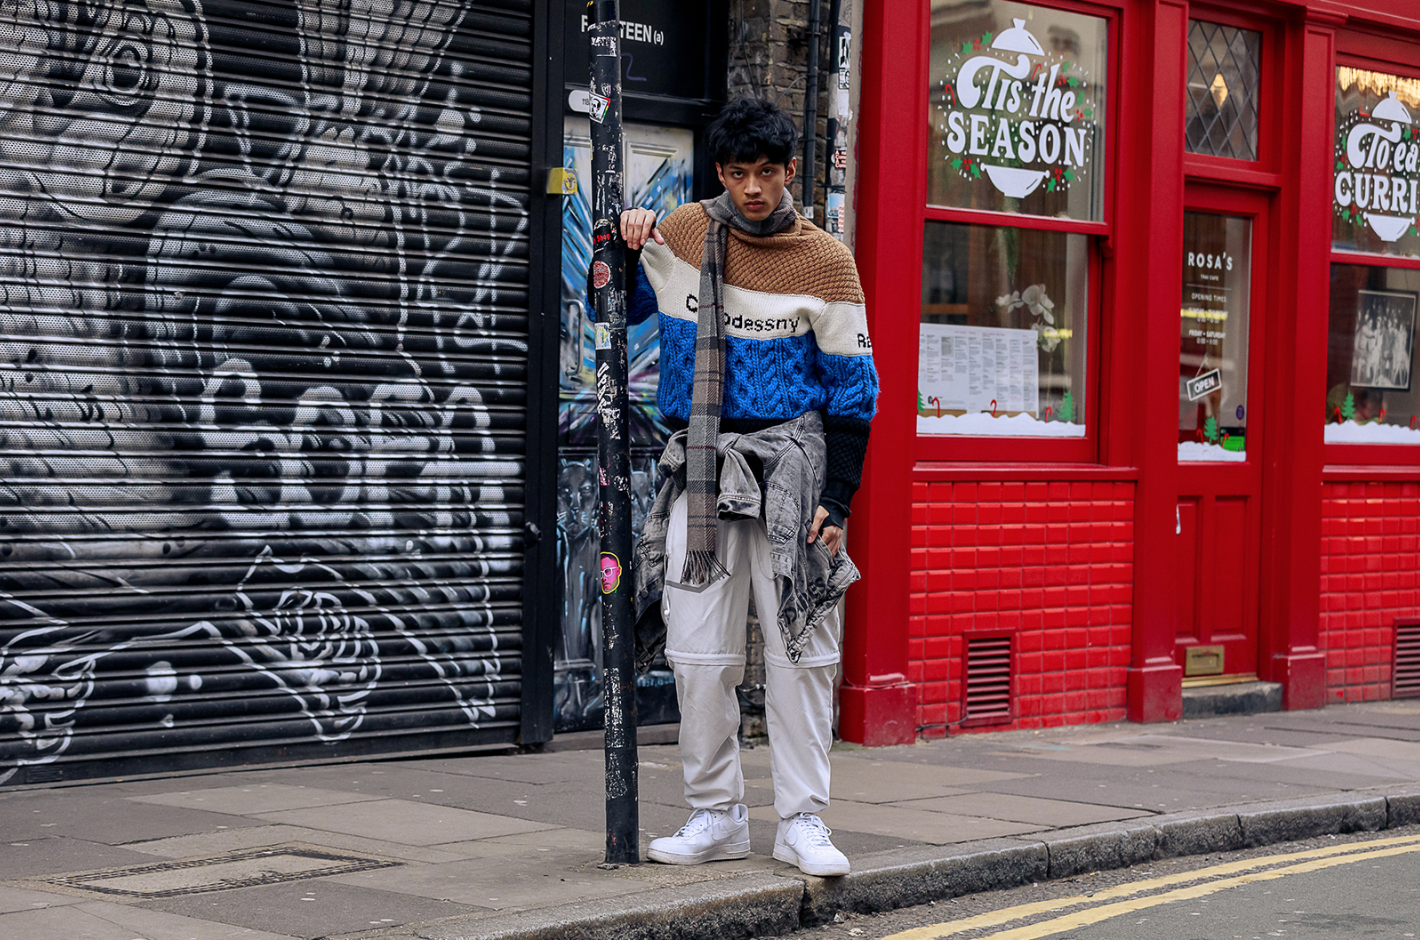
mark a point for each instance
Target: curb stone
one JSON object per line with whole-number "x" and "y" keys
{"x": 750, "y": 905}
{"x": 1198, "y": 833}
{"x": 1084, "y": 849}
{"x": 768, "y": 905}
{"x": 906, "y": 877}
{"x": 1293, "y": 820}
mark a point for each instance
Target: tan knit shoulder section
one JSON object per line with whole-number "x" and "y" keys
{"x": 802, "y": 260}
{"x": 807, "y": 260}
{"x": 684, "y": 232}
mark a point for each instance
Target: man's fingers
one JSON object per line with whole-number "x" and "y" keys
{"x": 819, "y": 516}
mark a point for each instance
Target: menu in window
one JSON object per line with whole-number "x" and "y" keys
{"x": 966, "y": 369}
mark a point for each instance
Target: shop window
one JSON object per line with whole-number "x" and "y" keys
{"x": 1223, "y": 79}
{"x": 1372, "y": 396}
{"x": 1376, "y": 191}
{"x": 1004, "y": 332}
{"x": 1213, "y": 340}
{"x": 1016, "y": 106}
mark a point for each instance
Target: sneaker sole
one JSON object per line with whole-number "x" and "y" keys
{"x": 786, "y": 854}
{"x": 723, "y": 853}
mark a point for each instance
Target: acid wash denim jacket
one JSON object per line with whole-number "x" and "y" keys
{"x": 776, "y": 473}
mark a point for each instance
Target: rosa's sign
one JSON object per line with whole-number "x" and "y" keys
{"x": 1377, "y": 157}
{"x": 1017, "y": 114}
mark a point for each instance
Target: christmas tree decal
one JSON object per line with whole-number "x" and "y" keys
{"x": 1066, "y": 411}
{"x": 1348, "y": 408}
{"x": 1210, "y": 430}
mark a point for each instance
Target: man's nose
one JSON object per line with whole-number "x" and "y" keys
{"x": 753, "y": 185}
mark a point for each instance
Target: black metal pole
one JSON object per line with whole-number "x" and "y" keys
{"x": 835, "y": 32}
{"x": 811, "y": 111}
{"x": 608, "y": 278}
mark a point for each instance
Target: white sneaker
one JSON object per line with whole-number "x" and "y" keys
{"x": 710, "y": 835}
{"x": 803, "y": 840}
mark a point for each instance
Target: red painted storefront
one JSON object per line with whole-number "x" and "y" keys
{"x": 1096, "y": 566}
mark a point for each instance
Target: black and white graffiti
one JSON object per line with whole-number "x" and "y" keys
{"x": 262, "y": 335}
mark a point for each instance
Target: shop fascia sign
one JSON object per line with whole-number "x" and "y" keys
{"x": 1020, "y": 116}
{"x": 1377, "y": 157}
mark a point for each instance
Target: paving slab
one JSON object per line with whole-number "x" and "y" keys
{"x": 917, "y": 825}
{"x": 508, "y": 881}
{"x": 1024, "y": 809}
{"x": 307, "y": 909}
{"x": 26, "y": 899}
{"x": 232, "y": 840}
{"x": 94, "y": 814}
{"x": 98, "y": 920}
{"x": 405, "y": 822}
{"x": 253, "y": 799}
{"x": 47, "y": 856}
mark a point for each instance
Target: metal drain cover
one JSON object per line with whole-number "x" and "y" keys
{"x": 244, "y": 869}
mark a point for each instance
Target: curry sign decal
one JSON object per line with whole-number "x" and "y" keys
{"x": 1377, "y": 158}
{"x": 1018, "y": 114}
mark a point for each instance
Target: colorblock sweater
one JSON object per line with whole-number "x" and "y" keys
{"x": 796, "y": 335}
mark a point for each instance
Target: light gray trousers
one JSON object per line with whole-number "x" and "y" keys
{"x": 705, "y": 645}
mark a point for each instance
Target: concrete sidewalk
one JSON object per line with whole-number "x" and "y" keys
{"x": 508, "y": 845}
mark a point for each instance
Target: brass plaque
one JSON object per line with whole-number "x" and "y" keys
{"x": 1203, "y": 661}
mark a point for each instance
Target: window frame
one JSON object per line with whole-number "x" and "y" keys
{"x": 1352, "y": 54}
{"x": 1264, "y": 171}
{"x": 962, "y": 448}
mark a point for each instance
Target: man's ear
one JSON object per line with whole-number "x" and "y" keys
{"x": 790, "y": 168}
{"x": 720, "y": 172}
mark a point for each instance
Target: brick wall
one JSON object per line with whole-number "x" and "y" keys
{"x": 1370, "y": 577}
{"x": 1051, "y": 563}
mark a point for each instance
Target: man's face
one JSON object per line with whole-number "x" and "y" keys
{"x": 756, "y": 188}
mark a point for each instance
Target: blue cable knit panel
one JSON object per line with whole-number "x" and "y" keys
{"x": 677, "y": 367}
{"x": 773, "y": 378}
{"x": 777, "y": 378}
{"x": 852, "y": 383}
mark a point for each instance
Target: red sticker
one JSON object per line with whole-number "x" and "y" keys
{"x": 600, "y": 274}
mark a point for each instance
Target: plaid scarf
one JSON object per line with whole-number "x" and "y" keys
{"x": 707, "y": 393}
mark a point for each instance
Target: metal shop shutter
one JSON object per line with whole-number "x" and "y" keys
{"x": 263, "y": 346}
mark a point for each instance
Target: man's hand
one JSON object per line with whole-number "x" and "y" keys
{"x": 638, "y": 226}
{"x": 832, "y": 534}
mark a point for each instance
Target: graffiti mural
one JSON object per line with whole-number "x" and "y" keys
{"x": 262, "y": 337}
{"x": 658, "y": 175}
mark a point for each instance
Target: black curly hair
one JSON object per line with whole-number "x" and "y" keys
{"x": 749, "y": 128}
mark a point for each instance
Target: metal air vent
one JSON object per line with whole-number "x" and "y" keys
{"x": 1406, "y": 673}
{"x": 987, "y": 689}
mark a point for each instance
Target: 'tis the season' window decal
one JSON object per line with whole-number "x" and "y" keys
{"x": 1377, "y": 157}
{"x": 1025, "y": 121}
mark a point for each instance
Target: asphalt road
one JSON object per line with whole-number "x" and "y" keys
{"x": 1365, "y": 885}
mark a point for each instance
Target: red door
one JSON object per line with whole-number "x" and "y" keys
{"x": 1220, "y": 421}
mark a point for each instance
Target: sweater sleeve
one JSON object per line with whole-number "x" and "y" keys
{"x": 846, "y": 369}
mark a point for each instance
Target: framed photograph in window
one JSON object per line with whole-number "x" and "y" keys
{"x": 1383, "y": 346}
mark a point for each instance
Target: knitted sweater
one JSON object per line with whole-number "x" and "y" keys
{"x": 796, "y": 335}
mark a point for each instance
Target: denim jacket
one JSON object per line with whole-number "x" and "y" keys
{"x": 777, "y": 474}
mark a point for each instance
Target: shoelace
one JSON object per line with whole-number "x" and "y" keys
{"x": 700, "y": 819}
{"x": 815, "y": 830}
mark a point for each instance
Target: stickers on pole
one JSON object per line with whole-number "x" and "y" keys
{"x": 601, "y": 274}
{"x": 596, "y": 106}
{"x": 1377, "y": 178}
{"x": 611, "y": 573}
{"x": 603, "y": 335}
{"x": 1023, "y": 117}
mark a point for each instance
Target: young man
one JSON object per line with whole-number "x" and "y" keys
{"x": 767, "y": 368}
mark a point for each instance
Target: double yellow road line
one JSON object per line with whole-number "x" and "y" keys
{"x": 1138, "y": 896}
